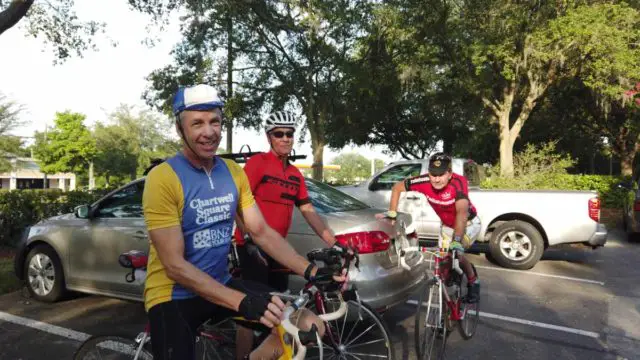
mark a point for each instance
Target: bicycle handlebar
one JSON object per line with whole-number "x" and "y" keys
{"x": 332, "y": 258}
{"x": 290, "y": 328}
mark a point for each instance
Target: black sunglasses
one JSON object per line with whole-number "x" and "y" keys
{"x": 280, "y": 134}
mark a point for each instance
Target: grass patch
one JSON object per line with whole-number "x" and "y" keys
{"x": 8, "y": 280}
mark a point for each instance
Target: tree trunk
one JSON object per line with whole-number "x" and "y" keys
{"x": 10, "y": 16}
{"x": 506, "y": 145}
{"x": 317, "y": 144}
{"x": 229, "y": 80}
{"x": 318, "y": 153}
{"x": 627, "y": 159}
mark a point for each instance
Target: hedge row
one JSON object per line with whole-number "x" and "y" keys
{"x": 606, "y": 186}
{"x": 22, "y": 208}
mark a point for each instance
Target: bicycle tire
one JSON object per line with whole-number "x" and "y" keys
{"x": 110, "y": 347}
{"x": 469, "y": 324}
{"x": 216, "y": 341}
{"x": 435, "y": 334}
{"x": 380, "y": 347}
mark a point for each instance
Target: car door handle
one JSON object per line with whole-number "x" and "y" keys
{"x": 412, "y": 198}
{"x": 140, "y": 235}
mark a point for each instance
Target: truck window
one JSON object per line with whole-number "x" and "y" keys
{"x": 387, "y": 179}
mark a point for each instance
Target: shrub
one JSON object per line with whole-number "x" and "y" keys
{"x": 541, "y": 168}
{"x": 22, "y": 208}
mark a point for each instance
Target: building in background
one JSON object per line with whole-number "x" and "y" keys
{"x": 26, "y": 174}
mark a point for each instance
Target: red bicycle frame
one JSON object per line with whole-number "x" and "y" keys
{"x": 442, "y": 273}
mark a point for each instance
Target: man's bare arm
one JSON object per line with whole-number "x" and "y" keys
{"x": 271, "y": 242}
{"x": 317, "y": 224}
{"x": 169, "y": 244}
{"x": 462, "y": 215}
{"x": 397, "y": 189}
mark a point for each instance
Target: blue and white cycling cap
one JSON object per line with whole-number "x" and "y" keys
{"x": 198, "y": 97}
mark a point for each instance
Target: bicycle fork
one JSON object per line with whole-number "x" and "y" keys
{"x": 141, "y": 340}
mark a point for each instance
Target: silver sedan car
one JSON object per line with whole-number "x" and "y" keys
{"x": 79, "y": 251}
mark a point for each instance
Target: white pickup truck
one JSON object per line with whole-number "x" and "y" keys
{"x": 518, "y": 225}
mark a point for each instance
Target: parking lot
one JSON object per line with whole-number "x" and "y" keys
{"x": 575, "y": 304}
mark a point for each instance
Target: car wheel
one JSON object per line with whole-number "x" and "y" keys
{"x": 43, "y": 274}
{"x": 516, "y": 245}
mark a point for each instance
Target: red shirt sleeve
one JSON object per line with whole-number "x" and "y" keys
{"x": 461, "y": 185}
{"x": 416, "y": 183}
{"x": 303, "y": 194}
{"x": 254, "y": 171}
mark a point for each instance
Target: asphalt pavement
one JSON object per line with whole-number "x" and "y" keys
{"x": 576, "y": 303}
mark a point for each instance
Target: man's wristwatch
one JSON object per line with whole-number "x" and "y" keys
{"x": 392, "y": 214}
{"x": 457, "y": 238}
{"x": 307, "y": 272}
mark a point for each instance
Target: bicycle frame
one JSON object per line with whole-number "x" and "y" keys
{"x": 310, "y": 291}
{"x": 441, "y": 275}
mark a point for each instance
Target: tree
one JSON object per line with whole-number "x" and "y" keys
{"x": 9, "y": 119}
{"x": 604, "y": 53}
{"x": 294, "y": 58}
{"x": 68, "y": 147}
{"x": 9, "y": 114}
{"x": 53, "y": 20}
{"x": 353, "y": 167}
{"x": 209, "y": 25}
{"x": 517, "y": 59}
{"x": 127, "y": 143}
{"x": 406, "y": 83}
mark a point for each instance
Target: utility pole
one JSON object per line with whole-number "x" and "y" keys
{"x": 229, "y": 76}
{"x": 45, "y": 180}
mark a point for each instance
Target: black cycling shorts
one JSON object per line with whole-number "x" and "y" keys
{"x": 274, "y": 275}
{"x": 174, "y": 324}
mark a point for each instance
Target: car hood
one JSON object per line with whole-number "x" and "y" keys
{"x": 350, "y": 221}
{"x": 68, "y": 216}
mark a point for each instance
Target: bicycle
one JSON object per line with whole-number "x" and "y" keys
{"x": 446, "y": 305}
{"x": 217, "y": 340}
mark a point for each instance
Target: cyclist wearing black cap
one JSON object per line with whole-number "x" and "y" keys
{"x": 448, "y": 194}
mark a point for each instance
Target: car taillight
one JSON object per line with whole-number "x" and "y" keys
{"x": 594, "y": 209}
{"x": 636, "y": 205}
{"x": 366, "y": 242}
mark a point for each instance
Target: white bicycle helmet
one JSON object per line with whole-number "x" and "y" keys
{"x": 197, "y": 97}
{"x": 280, "y": 119}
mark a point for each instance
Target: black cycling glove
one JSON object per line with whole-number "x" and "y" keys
{"x": 253, "y": 306}
{"x": 340, "y": 248}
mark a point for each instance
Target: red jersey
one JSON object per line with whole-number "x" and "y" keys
{"x": 276, "y": 190}
{"x": 443, "y": 201}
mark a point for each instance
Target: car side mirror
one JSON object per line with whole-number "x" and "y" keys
{"x": 82, "y": 211}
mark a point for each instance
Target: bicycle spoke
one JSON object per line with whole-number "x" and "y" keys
{"x": 353, "y": 356}
{"x": 362, "y": 333}
{"x": 366, "y": 343}
{"x": 368, "y": 355}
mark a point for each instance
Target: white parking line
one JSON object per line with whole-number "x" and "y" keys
{"x": 39, "y": 325}
{"x": 527, "y": 272}
{"x": 528, "y": 322}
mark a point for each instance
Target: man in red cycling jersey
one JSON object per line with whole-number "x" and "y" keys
{"x": 448, "y": 195}
{"x": 277, "y": 186}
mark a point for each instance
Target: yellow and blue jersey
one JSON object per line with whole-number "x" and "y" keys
{"x": 204, "y": 205}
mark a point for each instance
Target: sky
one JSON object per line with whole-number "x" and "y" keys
{"x": 98, "y": 82}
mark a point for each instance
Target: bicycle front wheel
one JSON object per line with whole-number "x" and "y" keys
{"x": 470, "y": 312}
{"x": 430, "y": 331}
{"x": 359, "y": 334}
{"x": 111, "y": 347}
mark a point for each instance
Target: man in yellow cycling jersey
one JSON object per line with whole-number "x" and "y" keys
{"x": 190, "y": 202}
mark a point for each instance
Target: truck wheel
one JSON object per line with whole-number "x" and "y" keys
{"x": 517, "y": 245}
{"x": 43, "y": 274}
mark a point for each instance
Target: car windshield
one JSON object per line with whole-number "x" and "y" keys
{"x": 326, "y": 199}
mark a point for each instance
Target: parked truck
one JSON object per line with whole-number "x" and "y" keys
{"x": 517, "y": 225}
